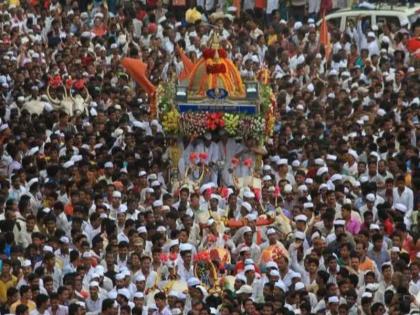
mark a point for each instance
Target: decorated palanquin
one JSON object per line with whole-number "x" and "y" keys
{"x": 213, "y": 96}
{"x": 210, "y": 96}
{"x": 215, "y": 74}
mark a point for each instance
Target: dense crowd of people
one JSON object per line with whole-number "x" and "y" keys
{"x": 91, "y": 222}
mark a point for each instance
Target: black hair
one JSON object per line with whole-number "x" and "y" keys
{"x": 107, "y": 304}
{"x": 160, "y": 296}
{"x": 41, "y": 299}
{"x": 21, "y": 309}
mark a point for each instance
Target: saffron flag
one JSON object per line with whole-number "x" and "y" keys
{"x": 324, "y": 36}
{"x": 137, "y": 70}
{"x": 188, "y": 65}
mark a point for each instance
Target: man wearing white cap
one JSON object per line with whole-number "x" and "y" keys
{"x": 63, "y": 252}
{"x": 94, "y": 302}
{"x": 404, "y": 195}
{"x": 283, "y": 172}
{"x": 332, "y": 305}
{"x": 185, "y": 266}
{"x": 272, "y": 240}
{"x": 369, "y": 206}
{"x": 215, "y": 211}
{"x": 138, "y": 300}
{"x": 368, "y": 42}
{"x": 248, "y": 242}
{"x": 288, "y": 198}
{"x": 115, "y": 204}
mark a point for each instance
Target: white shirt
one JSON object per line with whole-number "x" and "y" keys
{"x": 166, "y": 311}
{"x": 313, "y": 6}
{"x": 91, "y": 232}
{"x": 36, "y": 312}
{"x": 94, "y": 306}
{"x": 249, "y": 5}
{"x": 414, "y": 287}
{"x": 62, "y": 310}
{"x": 407, "y": 199}
{"x": 183, "y": 272}
{"x": 287, "y": 279}
{"x": 272, "y": 5}
{"x": 213, "y": 152}
{"x": 17, "y": 193}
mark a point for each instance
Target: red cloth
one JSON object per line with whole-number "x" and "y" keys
{"x": 151, "y": 3}
{"x": 99, "y": 31}
{"x": 326, "y": 6}
{"x": 140, "y": 15}
{"x": 260, "y": 4}
{"x": 413, "y": 46}
{"x": 240, "y": 265}
{"x": 389, "y": 226}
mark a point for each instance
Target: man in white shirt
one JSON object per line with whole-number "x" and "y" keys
{"x": 162, "y": 307}
{"x": 16, "y": 190}
{"x": 404, "y": 195}
{"x": 42, "y": 301}
{"x": 228, "y": 147}
{"x": 414, "y": 286}
{"x": 185, "y": 267}
{"x": 212, "y": 150}
{"x": 94, "y": 302}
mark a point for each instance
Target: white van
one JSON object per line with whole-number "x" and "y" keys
{"x": 396, "y": 15}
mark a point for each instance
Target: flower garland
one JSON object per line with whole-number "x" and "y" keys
{"x": 231, "y": 123}
{"x": 55, "y": 81}
{"x": 203, "y": 256}
{"x": 215, "y": 120}
{"x": 252, "y": 126}
{"x": 170, "y": 121}
{"x": 166, "y": 94}
{"x": 194, "y": 124}
{"x": 79, "y": 84}
{"x": 69, "y": 83}
{"x": 198, "y": 123}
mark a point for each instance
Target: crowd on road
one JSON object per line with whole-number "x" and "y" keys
{"x": 90, "y": 222}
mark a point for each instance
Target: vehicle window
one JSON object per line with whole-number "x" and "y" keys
{"x": 385, "y": 19}
{"x": 413, "y": 18}
{"x": 334, "y": 22}
{"x": 366, "y": 22}
{"x": 352, "y": 20}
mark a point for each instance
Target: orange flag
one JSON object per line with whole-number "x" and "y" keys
{"x": 324, "y": 37}
{"x": 188, "y": 65}
{"x": 137, "y": 70}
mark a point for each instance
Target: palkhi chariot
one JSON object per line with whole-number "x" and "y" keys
{"x": 215, "y": 85}
{"x": 213, "y": 97}
{"x": 214, "y": 71}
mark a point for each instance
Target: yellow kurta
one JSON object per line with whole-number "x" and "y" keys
{"x": 4, "y": 286}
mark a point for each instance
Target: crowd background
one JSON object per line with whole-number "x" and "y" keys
{"x": 89, "y": 222}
